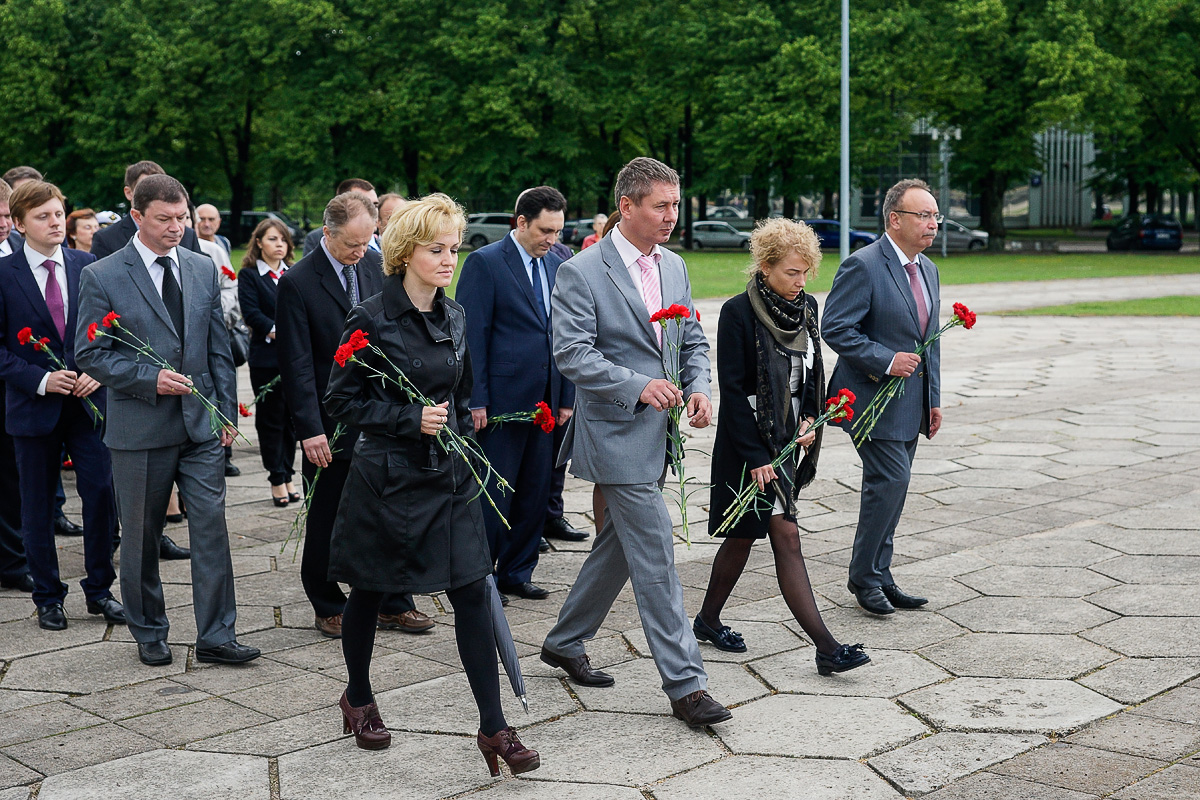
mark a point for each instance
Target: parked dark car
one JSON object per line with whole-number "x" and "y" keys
{"x": 1146, "y": 232}
{"x": 250, "y": 220}
{"x": 576, "y": 230}
{"x": 829, "y": 231}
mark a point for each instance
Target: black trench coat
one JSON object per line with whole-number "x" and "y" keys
{"x": 406, "y": 522}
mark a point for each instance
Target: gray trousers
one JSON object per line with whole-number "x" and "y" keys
{"x": 887, "y": 467}
{"x": 143, "y": 480}
{"x": 634, "y": 544}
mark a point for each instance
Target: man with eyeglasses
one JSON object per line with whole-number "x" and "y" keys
{"x": 884, "y": 301}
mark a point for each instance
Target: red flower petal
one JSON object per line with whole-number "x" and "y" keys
{"x": 24, "y": 335}
{"x": 110, "y": 319}
{"x": 91, "y": 332}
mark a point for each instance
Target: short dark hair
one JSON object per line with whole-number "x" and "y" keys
{"x": 896, "y": 194}
{"x": 354, "y": 185}
{"x": 637, "y": 178}
{"x": 30, "y": 195}
{"x": 532, "y": 202}
{"x": 135, "y": 172}
{"x": 21, "y": 174}
{"x": 162, "y": 188}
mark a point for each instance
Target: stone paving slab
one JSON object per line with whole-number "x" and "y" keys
{"x": 177, "y": 774}
{"x": 1135, "y": 680}
{"x": 1009, "y": 705}
{"x": 890, "y": 673}
{"x": 1173, "y": 783}
{"x": 935, "y": 761}
{"x": 1086, "y": 769}
{"x": 756, "y": 777}
{"x": 1018, "y": 655}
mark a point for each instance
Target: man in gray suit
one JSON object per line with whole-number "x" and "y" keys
{"x": 884, "y": 301}
{"x": 605, "y": 344}
{"x": 169, "y": 298}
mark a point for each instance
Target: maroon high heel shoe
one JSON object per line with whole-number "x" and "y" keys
{"x": 364, "y": 722}
{"x": 507, "y": 745}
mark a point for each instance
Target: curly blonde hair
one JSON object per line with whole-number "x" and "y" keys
{"x": 775, "y": 239}
{"x": 417, "y": 224}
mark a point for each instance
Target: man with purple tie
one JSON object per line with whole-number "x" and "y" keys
{"x": 49, "y": 407}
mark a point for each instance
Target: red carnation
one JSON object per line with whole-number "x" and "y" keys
{"x": 24, "y": 335}
{"x": 245, "y": 412}
{"x": 849, "y": 395}
{"x": 228, "y": 273}
{"x": 91, "y": 334}
{"x": 358, "y": 340}
{"x": 110, "y": 320}
{"x": 675, "y": 311}
{"x": 42, "y": 344}
{"x": 543, "y": 417}
{"x": 964, "y": 315}
{"x": 343, "y": 354}
{"x": 849, "y": 413}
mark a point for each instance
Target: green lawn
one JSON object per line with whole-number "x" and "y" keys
{"x": 1174, "y": 306}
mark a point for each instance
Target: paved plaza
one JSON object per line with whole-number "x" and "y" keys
{"x": 1053, "y": 523}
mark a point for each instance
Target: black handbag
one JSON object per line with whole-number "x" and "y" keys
{"x": 239, "y": 343}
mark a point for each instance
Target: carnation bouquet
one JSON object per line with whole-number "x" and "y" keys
{"x": 42, "y": 345}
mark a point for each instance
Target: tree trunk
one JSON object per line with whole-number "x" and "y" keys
{"x": 685, "y": 143}
{"x": 1131, "y": 188}
{"x": 1183, "y": 208}
{"x": 702, "y": 206}
{"x": 412, "y": 165}
{"x": 789, "y": 207}
{"x": 241, "y": 191}
{"x": 991, "y": 208}
{"x": 827, "y": 211}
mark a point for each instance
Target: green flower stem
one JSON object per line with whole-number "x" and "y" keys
{"x": 296, "y": 532}
{"x": 57, "y": 362}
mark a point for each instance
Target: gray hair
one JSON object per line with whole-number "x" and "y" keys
{"x": 346, "y": 207}
{"x": 637, "y": 178}
{"x": 896, "y": 193}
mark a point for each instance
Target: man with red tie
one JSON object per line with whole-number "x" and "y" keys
{"x": 50, "y": 404}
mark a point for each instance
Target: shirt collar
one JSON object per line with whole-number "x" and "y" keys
{"x": 526, "y": 259}
{"x": 628, "y": 251}
{"x": 904, "y": 259}
{"x": 264, "y": 267}
{"x": 336, "y": 264}
{"x": 149, "y": 256}
{"x": 35, "y": 259}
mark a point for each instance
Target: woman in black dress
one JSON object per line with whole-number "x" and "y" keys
{"x": 407, "y": 521}
{"x": 266, "y": 259}
{"x": 772, "y": 388}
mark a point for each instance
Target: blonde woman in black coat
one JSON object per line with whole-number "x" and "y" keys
{"x": 772, "y": 388}
{"x": 408, "y": 521}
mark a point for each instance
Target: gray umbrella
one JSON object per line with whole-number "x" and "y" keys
{"x": 504, "y": 643}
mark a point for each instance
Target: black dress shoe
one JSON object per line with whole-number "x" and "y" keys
{"x": 23, "y": 583}
{"x": 559, "y": 528}
{"x": 527, "y": 590}
{"x": 845, "y": 658}
{"x": 699, "y": 709}
{"x": 64, "y": 527}
{"x": 579, "y": 669}
{"x": 722, "y": 638}
{"x": 228, "y": 653}
{"x": 897, "y": 597}
{"x": 872, "y": 599}
{"x": 113, "y": 611}
{"x": 52, "y": 617}
{"x": 231, "y": 471}
{"x": 175, "y": 519}
{"x": 154, "y": 654}
{"x": 169, "y": 551}
{"x": 543, "y": 545}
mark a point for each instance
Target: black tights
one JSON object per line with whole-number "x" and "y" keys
{"x": 473, "y": 633}
{"x": 793, "y": 581}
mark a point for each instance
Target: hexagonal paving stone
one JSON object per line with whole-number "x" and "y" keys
{"x": 762, "y": 639}
{"x": 1036, "y": 581}
{"x": 86, "y": 669}
{"x": 177, "y": 774}
{"x": 593, "y": 747}
{"x": 1010, "y": 705}
{"x": 758, "y": 777}
{"x": 1173, "y": 783}
{"x": 1018, "y": 655}
{"x": 1133, "y": 680}
{"x": 1150, "y": 518}
{"x": 889, "y": 673}
{"x": 1036, "y": 550}
{"x": 834, "y": 727}
{"x": 935, "y": 761}
{"x": 1027, "y": 614}
{"x": 1149, "y": 637}
{"x": 639, "y": 688}
{"x": 444, "y": 705}
{"x": 989, "y": 786}
{"x": 904, "y": 631}
{"x": 1085, "y": 769}
{"x": 1149, "y": 600}
{"x": 517, "y": 789}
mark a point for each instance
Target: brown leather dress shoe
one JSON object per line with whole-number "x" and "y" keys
{"x": 579, "y": 669}
{"x": 364, "y": 722}
{"x": 409, "y": 622}
{"x": 329, "y": 626}
{"x": 507, "y": 745}
{"x": 699, "y": 709}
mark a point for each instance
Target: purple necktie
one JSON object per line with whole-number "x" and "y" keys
{"x": 54, "y": 300}
{"x": 919, "y": 295}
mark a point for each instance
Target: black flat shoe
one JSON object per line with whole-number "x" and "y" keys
{"x": 228, "y": 653}
{"x": 113, "y": 611}
{"x": 64, "y": 527}
{"x": 543, "y": 546}
{"x": 231, "y": 471}
{"x": 169, "y": 551}
{"x": 175, "y": 518}
{"x": 52, "y": 617}
{"x": 900, "y": 599}
{"x": 722, "y": 638}
{"x": 872, "y": 599}
{"x": 559, "y": 528}
{"x": 526, "y": 590}
{"x": 154, "y": 654}
{"x": 23, "y": 583}
{"x": 845, "y": 658}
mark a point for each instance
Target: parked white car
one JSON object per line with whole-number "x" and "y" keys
{"x": 714, "y": 233}
{"x": 483, "y": 229}
{"x": 959, "y": 237}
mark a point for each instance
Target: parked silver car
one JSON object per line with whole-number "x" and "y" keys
{"x": 713, "y": 233}
{"x": 483, "y": 229}
{"x": 960, "y": 237}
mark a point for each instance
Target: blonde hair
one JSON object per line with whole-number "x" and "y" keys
{"x": 418, "y": 224}
{"x": 775, "y": 239}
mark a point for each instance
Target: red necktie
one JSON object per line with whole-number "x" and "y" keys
{"x": 54, "y": 300}
{"x": 914, "y": 283}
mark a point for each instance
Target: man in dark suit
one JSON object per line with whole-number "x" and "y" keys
{"x": 314, "y": 298}
{"x": 505, "y": 290}
{"x": 46, "y": 406}
{"x": 114, "y": 237}
{"x": 313, "y": 240}
{"x": 884, "y": 300}
{"x": 169, "y": 298}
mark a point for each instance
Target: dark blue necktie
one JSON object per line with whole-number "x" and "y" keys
{"x": 537, "y": 287}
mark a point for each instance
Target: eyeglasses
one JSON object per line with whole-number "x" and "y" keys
{"x": 924, "y": 216}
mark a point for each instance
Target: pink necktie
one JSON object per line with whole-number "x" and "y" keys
{"x": 54, "y": 300}
{"x": 651, "y": 294}
{"x": 919, "y": 295}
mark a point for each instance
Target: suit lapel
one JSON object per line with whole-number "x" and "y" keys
{"x": 28, "y": 284}
{"x": 619, "y": 275}
{"x": 896, "y": 270}
{"x": 512, "y": 259}
{"x": 329, "y": 280}
{"x": 193, "y": 291}
{"x": 141, "y": 279}
{"x": 73, "y": 271}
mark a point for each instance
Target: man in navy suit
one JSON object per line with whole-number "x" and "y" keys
{"x": 505, "y": 289}
{"x": 884, "y": 300}
{"x": 47, "y": 406}
{"x": 114, "y": 238}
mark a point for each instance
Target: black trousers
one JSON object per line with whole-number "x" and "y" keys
{"x": 12, "y": 549}
{"x": 558, "y": 477}
{"x": 273, "y": 422}
{"x": 326, "y": 596}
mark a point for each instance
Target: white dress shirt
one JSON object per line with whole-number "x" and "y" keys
{"x": 5, "y": 248}
{"x": 629, "y": 254}
{"x": 263, "y": 269}
{"x": 154, "y": 268}
{"x": 42, "y": 276}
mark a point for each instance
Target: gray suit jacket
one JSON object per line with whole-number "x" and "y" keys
{"x": 138, "y": 418}
{"x": 605, "y": 345}
{"x": 870, "y": 315}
